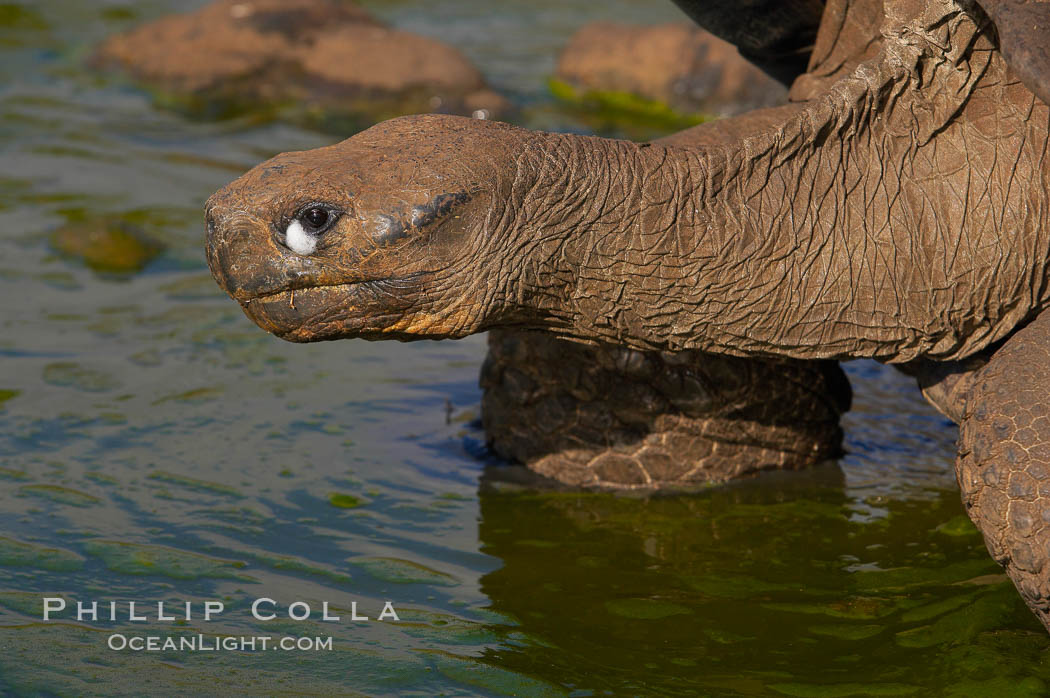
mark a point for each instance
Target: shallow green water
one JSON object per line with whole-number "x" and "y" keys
{"x": 156, "y": 446}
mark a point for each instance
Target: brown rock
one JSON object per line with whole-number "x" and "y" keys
{"x": 319, "y": 54}
{"x": 388, "y": 60}
{"x": 679, "y": 65}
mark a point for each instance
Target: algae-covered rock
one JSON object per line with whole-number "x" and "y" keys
{"x": 108, "y": 245}
{"x": 315, "y": 57}
{"x": 670, "y": 70}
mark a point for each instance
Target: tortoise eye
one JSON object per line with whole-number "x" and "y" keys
{"x": 316, "y": 217}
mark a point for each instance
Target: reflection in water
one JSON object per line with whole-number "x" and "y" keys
{"x": 774, "y": 584}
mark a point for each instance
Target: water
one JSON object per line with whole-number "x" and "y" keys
{"x": 156, "y": 446}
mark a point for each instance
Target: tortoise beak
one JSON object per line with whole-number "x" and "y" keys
{"x": 241, "y": 256}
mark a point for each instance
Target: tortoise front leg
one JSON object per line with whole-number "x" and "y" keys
{"x": 609, "y": 416}
{"x": 1003, "y": 465}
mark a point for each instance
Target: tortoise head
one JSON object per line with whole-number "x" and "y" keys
{"x": 389, "y": 234}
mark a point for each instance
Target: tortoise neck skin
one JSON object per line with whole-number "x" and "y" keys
{"x": 883, "y": 219}
{"x": 878, "y": 220}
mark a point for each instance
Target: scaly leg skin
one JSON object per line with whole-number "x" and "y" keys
{"x": 612, "y": 417}
{"x": 1004, "y": 460}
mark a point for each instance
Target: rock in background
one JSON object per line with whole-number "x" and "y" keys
{"x": 315, "y": 58}
{"x": 675, "y": 71}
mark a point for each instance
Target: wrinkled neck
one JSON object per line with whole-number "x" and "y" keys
{"x": 840, "y": 232}
{"x": 653, "y": 246}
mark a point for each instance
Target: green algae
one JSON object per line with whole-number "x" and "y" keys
{"x": 472, "y": 672}
{"x": 196, "y": 396}
{"x": 732, "y": 587}
{"x": 17, "y": 16}
{"x": 118, "y": 14}
{"x": 1027, "y": 687}
{"x": 446, "y": 629}
{"x": 725, "y": 637}
{"x": 534, "y": 543}
{"x": 455, "y": 497}
{"x": 958, "y": 526}
{"x": 986, "y": 613}
{"x": 341, "y": 112}
{"x": 845, "y": 631}
{"x": 344, "y": 501}
{"x": 28, "y": 603}
{"x": 854, "y": 607}
{"x": 290, "y": 563}
{"x": 645, "y": 609}
{"x": 69, "y": 374}
{"x": 844, "y": 690}
{"x": 768, "y": 565}
{"x": 984, "y": 580}
{"x": 623, "y": 105}
{"x": 195, "y": 485}
{"x": 106, "y": 245}
{"x": 60, "y": 495}
{"x": 245, "y": 517}
{"x": 398, "y": 571}
{"x": 146, "y": 559}
{"x": 18, "y": 23}
{"x": 216, "y": 104}
{"x": 16, "y": 553}
{"x": 909, "y": 578}
{"x": 102, "y": 478}
{"x": 932, "y": 610}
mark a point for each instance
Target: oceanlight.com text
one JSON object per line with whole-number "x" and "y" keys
{"x": 121, "y": 642}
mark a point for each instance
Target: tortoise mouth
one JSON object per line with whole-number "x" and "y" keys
{"x": 331, "y": 311}
{"x": 290, "y": 291}
{"x": 389, "y": 287}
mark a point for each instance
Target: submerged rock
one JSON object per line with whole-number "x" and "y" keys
{"x": 674, "y": 69}
{"x": 107, "y": 245}
{"x": 319, "y": 56}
